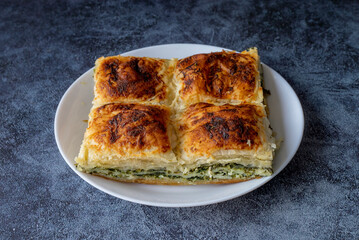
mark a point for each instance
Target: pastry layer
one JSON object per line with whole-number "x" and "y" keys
{"x": 127, "y": 136}
{"x": 133, "y": 79}
{"x": 219, "y": 77}
{"x": 209, "y": 134}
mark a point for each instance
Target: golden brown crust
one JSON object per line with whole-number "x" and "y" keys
{"x": 219, "y": 76}
{"x": 129, "y": 128}
{"x": 119, "y": 79}
{"x": 176, "y": 182}
{"x": 206, "y": 128}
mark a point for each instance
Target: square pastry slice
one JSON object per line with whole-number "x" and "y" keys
{"x": 133, "y": 79}
{"x": 225, "y": 143}
{"x": 127, "y": 142}
{"x": 219, "y": 77}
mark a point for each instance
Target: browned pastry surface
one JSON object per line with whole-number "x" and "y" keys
{"x": 120, "y": 79}
{"x": 129, "y": 128}
{"x": 206, "y": 128}
{"x": 219, "y": 76}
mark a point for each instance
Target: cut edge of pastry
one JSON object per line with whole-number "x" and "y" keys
{"x": 206, "y": 174}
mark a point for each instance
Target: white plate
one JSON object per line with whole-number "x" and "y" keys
{"x": 286, "y": 117}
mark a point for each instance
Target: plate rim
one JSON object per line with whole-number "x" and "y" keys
{"x": 169, "y": 204}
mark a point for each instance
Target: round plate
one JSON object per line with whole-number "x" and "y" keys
{"x": 286, "y": 117}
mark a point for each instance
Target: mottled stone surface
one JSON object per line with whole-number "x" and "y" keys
{"x": 45, "y": 46}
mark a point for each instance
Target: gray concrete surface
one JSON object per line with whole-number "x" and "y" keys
{"x": 46, "y": 45}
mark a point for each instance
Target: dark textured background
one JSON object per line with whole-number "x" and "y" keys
{"x": 44, "y": 47}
